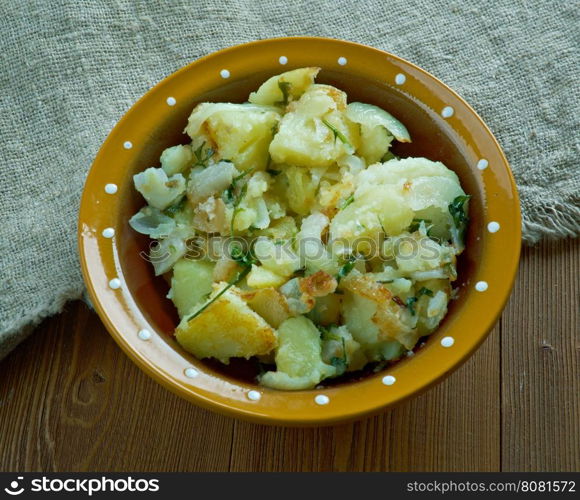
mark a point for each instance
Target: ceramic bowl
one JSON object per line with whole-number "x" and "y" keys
{"x": 131, "y": 301}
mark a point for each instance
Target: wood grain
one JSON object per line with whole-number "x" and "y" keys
{"x": 71, "y": 400}
{"x": 541, "y": 363}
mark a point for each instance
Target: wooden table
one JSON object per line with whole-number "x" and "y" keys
{"x": 71, "y": 400}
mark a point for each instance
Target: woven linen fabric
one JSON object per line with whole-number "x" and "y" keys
{"x": 70, "y": 70}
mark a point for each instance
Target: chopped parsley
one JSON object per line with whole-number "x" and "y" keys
{"x": 389, "y": 156}
{"x": 346, "y": 268}
{"x": 232, "y": 197}
{"x": 245, "y": 259}
{"x": 416, "y": 223}
{"x": 459, "y": 216}
{"x": 325, "y": 332}
{"x": 381, "y": 224}
{"x": 241, "y": 275}
{"x": 236, "y": 204}
{"x": 337, "y": 133}
{"x": 340, "y": 363}
{"x": 411, "y": 304}
{"x": 202, "y": 157}
{"x": 425, "y": 291}
{"x": 457, "y": 210}
{"x": 347, "y": 202}
{"x": 285, "y": 89}
{"x": 176, "y": 207}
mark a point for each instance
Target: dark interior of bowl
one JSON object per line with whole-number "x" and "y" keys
{"x": 432, "y": 138}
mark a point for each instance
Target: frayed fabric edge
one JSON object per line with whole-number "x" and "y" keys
{"x": 23, "y": 328}
{"x": 552, "y": 222}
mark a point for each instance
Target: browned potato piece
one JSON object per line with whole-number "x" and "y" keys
{"x": 228, "y": 328}
{"x": 270, "y": 304}
{"x": 392, "y": 320}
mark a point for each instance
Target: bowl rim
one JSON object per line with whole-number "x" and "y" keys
{"x": 241, "y": 407}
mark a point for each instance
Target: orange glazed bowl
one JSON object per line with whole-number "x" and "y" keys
{"x": 131, "y": 300}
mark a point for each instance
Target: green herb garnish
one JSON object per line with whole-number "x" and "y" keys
{"x": 425, "y": 291}
{"x": 246, "y": 259}
{"x": 459, "y": 216}
{"x": 202, "y": 157}
{"x": 234, "y": 199}
{"x": 389, "y": 156}
{"x": 241, "y": 176}
{"x": 236, "y": 204}
{"x": 416, "y": 224}
{"x": 346, "y": 268}
{"x": 241, "y": 275}
{"x": 347, "y": 202}
{"x": 457, "y": 210}
{"x": 325, "y": 332}
{"x": 411, "y": 304}
{"x": 337, "y": 134}
{"x": 285, "y": 89}
{"x": 340, "y": 363}
{"x": 176, "y": 207}
{"x": 381, "y": 224}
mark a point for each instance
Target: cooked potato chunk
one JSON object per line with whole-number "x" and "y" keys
{"x": 301, "y": 190}
{"x": 315, "y": 133}
{"x": 252, "y": 211}
{"x": 281, "y": 230}
{"x": 279, "y": 258}
{"x": 169, "y": 250}
{"x": 433, "y": 296}
{"x": 340, "y": 350}
{"x": 176, "y": 159}
{"x": 212, "y": 216}
{"x": 270, "y": 304}
{"x": 427, "y": 187}
{"x": 374, "y": 143}
{"x": 204, "y": 182}
{"x": 299, "y": 363}
{"x": 228, "y": 328}
{"x": 380, "y": 210}
{"x": 261, "y": 277}
{"x": 415, "y": 252}
{"x": 282, "y": 89}
{"x": 315, "y": 257}
{"x": 326, "y": 310}
{"x": 373, "y": 301}
{"x": 241, "y": 133}
{"x": 190, "y": 284}
{"x": 159, "y": 190}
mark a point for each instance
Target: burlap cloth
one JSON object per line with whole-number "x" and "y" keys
{"x": 69, "y": 70}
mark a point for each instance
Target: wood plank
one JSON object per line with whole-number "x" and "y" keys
{"x": 70, "y": 400}
{"x": 541, "y": 362}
